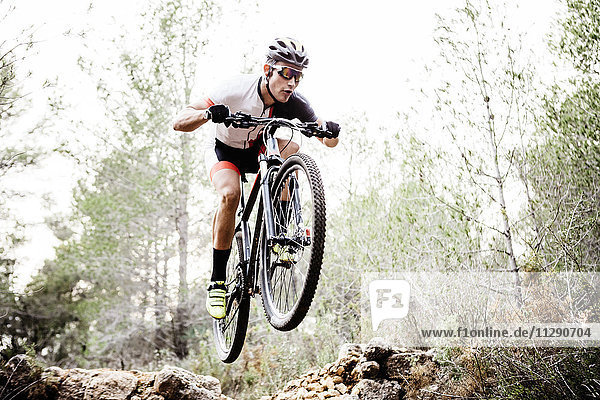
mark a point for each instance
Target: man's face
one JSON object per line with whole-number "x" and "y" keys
{"x": 281, "y": 87}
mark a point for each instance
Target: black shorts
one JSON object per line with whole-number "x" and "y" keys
{"x": 239, "y": 160}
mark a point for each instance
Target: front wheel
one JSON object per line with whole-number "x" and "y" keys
{"x": 291, "y": 261}
{"x": 230, "y": 332}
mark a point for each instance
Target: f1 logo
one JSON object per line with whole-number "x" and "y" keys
{"x": 389, "y": 300}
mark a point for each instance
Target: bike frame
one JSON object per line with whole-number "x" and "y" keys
{"x": 269, "y": 162}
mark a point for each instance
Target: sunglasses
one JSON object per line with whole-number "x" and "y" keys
{"x": 288, "y": 72}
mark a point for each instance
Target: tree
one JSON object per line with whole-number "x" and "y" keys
{"x": 166, "y": 77}
{"x": 160, "y": 79}
{"x": 580, "y": 37}
{"x": 486, "y": 111}
{"x": 566, "y": 157}
{"x": 13, "y": 157}
{"x": 17, "y": 155}
{"x": 131, "y": 220}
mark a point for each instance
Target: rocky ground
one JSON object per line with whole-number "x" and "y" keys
{"x": 370, "y": 372}
{"x": 361, "y": 372}
{"x": 20, "y": 379}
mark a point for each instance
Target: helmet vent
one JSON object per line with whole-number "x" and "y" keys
{"x": 288, "y": 50}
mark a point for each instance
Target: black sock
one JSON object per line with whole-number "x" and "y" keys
{"x": 219, "y": 271}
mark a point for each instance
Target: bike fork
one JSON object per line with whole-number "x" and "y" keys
{"x": 266, "y": 196}
{"x": 293, "y": 188}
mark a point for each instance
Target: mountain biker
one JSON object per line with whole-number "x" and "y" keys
{"x": 270, "y": 94}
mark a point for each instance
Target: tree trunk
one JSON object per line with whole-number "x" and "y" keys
{"x": 507, "y": 231}
{"x": 182, "y": 222}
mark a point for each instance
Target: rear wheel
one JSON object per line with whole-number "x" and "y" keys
{"x": 230, "y": 332}
{"x": 291, "y": 262}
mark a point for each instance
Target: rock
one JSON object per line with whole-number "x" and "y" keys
{"x": 73, "y": 383}
{"x": 315, "y": 387}
{"x": 23, "y": 380}
{"x": 377, "y": 350}
{"x": 329, "y": 383}
{"x": 365, "y": 370}
{"x": 340, "y": 387}
{"x": 349, "y": 350}
{"x": 54, "y": 373}
{"x": 375, "y": 371}
{"x": 178, "y": 384}
{"x": 368, "y": 369}
{"x": 368, "y": 389}
{"x": 397, "y": 366}
{"x": 346, "y": 365}
{"x": 110, "y": 385}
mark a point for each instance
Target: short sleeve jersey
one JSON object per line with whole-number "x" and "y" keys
{"x": 242, "y": 93}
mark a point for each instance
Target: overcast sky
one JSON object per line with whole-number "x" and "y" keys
{"x": 362, "y": 53}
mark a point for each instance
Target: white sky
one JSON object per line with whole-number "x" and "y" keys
{"x": 365, "y": 56}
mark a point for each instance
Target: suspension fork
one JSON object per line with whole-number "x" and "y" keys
{"x": 266, "y": 175}
{"x": 295, "y": 198}
{"x": 266, "y": 172}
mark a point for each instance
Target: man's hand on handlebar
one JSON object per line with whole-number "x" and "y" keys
{"x": 333, "y": 128}
{"x": 217, "y": 113}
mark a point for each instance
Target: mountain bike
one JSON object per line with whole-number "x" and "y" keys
{"x": 281, "y": 259}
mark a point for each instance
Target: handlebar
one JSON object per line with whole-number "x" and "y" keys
{"x": 309, "y": 129}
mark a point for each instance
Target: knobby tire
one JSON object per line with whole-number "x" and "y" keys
{"x": 288, "y": 287}
{"x": 230, "y": 332}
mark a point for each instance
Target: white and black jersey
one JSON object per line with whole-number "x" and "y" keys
{"x": 242, "y": 93}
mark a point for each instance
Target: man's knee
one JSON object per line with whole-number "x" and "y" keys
{"x": 227, "y": 185}
{"x": 293, "y": 147}
{"x": 289, "y": 148}
{"x": 230, "y": 197}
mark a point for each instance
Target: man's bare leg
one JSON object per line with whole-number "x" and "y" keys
{"x": 227, "y": 185}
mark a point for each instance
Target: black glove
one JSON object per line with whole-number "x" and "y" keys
{"x": 333, "y": 128}
{"x": 218, "y": 113}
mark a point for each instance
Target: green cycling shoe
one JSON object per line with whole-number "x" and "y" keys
{"x": 215, "y": 299}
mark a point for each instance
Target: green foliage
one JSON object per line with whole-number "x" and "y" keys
{"x": 580, "y": 41}
{"x": 566, "y": 173}
{"x": 486, "y": 110}
{"x": 17, "y": 155}
{"x": 13, "y": 53}
{"x": 15, "y": 49}
{"x": 135, "y": 215}
{"x": 567, "y": 179}
{"x": 543, "y": 373}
